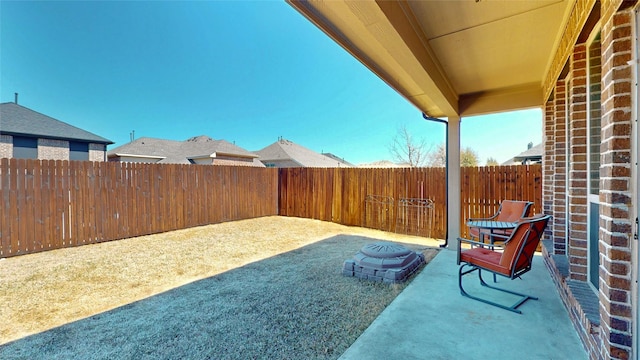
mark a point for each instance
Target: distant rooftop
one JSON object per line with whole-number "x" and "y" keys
{"x": 285, "y": 150}
{"x": 18, "y": 120}
{"x": 533, "y": 154}
{"x": 180, "y": 152}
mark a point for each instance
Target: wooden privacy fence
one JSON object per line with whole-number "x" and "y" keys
{"x": 50, "y": 204}
{"x": 55, "y": 204}
{"x": 483, "y": 188}
{"x": 341, "y": 195}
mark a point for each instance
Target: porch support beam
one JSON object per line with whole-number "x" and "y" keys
{"x": 453, "y": 177}
{"x": 488, "y": 102}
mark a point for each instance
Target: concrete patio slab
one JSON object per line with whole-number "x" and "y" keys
{"x": 431, "y": 320}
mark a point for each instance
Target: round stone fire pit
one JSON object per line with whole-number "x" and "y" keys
{"x": 383, "y": 262}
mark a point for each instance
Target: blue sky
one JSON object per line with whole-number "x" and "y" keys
{"x": 246, "y": 72}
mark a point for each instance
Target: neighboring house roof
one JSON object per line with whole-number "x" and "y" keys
{"x": 383, "y": 164}
{"x": 286, "y": 150}
{"x": 337, "y": 158}
{"x": 21, "y": 121}
{"x": 181, "y": 152}
{"x": 532, "y": 155}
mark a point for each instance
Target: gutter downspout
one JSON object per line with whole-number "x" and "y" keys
{"x": 446, "y": 127}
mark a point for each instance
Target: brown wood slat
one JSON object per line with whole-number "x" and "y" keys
{"x": 38, "y": 205}
{"x": 46, "y": 209}
{"x": 61, "y": 203}
{"x": 22, "y": 240}
{"x": 5, "y": 230}
{"x": 91, "y": 201}
{"x": 14, "y": 228}
{"x": 145, "y": 199}
{"x": 134, "y": 194}
{"x": 77, "y": 205}
{"x": 106, "y": 177}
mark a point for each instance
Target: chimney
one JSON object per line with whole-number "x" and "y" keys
{"x": 16, "y": 98}
{"x": 529, "y": 145}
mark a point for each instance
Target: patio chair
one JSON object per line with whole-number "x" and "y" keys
{"x": 512, "y": 261}
{"x": 509, "y": 211}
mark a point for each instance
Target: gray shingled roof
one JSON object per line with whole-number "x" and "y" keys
{"x": 288, "y": 150}
{"x": 534, "y": 153}
{"x": 18, "y": 120}
{"x": 179, "y": 152}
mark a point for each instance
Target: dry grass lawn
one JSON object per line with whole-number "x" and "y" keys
{"x": 46, "y": 290}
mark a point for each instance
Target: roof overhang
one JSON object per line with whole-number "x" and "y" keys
{"x": 452, "y": 58}
{"x": 113, "y": 155}
{"x": 63, "y": 138}
{"x": 224, "y": 154}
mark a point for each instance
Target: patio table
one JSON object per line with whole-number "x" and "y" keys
{"x": 492, "y": 225}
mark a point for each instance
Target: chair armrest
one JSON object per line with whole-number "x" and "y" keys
{"x": 471, "y": 242}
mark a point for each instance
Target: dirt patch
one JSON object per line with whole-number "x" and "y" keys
{"x": 47, "y": 290}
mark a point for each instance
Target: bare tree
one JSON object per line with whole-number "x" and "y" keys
{"x": 468, "y": 157}
{"x": 439, "y": 157}
{"x": 406, "y": 149}
{"x": 492, "y": 162}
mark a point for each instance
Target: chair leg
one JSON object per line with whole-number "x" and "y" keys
{"x": 513, "y": 308}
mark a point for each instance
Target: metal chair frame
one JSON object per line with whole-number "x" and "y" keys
{"x": 532, "y": 235}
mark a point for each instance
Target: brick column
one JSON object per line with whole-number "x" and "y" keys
{"x": 616, "y": 195}
{"x": 577, "y": 190}
{"x": 547, "y": 164}
{"x": 560, "y": 169}
{"x": 6, "y": 146}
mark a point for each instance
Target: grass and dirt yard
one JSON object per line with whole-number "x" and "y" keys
{"x": 261, "y": 288}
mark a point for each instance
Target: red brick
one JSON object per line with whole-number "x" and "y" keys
{"x": 618, "y": 240}
{"x": 616, "y": 268}
{"x": 621, "y": 18}
{"x": 620, "y": 310}
{"x": 621, "y": 101}
{"x": 619, "y": 296}
{"x": 619, "y": 354}
{"x": 622, "y": 45}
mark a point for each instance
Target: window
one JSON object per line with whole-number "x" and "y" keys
{"x": 594, "y": 73}
{"x": 25, "y": 147}
{"x": 78, "y": 150}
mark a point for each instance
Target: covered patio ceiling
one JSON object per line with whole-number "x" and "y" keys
{"x": 451, "y": 58}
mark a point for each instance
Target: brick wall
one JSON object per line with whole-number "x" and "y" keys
{"x": 616, "y": 315}
{"x": 49, "y": 149}
{"x": 604, "y": 320}
{"x": 6, "y": 146}
{"x": 577, "y": 191}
